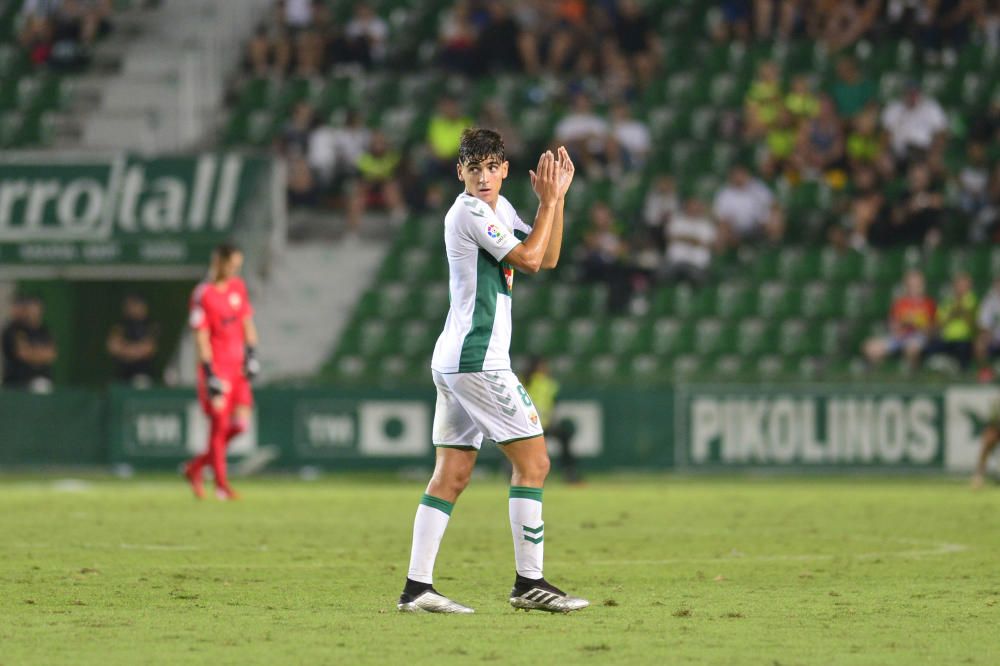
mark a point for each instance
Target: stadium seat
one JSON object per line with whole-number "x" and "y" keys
{"x": 819, "y": 300}
{"x": 709, "y": 338}
{"x": 671, "y": 337}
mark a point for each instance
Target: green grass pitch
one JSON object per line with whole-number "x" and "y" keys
{"x": 680, "y": 571}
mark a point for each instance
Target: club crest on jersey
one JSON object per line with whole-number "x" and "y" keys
{"x": 235, "y": 301}
{"x": 533, "y": 418}
{"x": 508, "y": 275}
{"x": 496, "y": 234}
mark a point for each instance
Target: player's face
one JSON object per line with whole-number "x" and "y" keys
{"x": 483, "y": 179}
{"x": 227, "y": 268}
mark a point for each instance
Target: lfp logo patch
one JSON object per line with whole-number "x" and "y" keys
{"x": 496, "y": 234}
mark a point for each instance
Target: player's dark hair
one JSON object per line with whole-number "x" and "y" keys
{"x": 479, "y": 144}
{"x": 224, "y": 251}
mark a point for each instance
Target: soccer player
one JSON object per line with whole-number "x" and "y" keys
{"x": 477, "y": 393}
{"x": 989, "y": 440}
{"x": 225, "y": 335}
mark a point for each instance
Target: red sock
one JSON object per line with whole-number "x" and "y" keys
{"x": 217, "y": 449}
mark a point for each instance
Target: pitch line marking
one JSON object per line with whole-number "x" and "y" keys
{"x": 936, "y": 549}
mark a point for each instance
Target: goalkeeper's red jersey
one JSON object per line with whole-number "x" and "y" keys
{"x": 221, "y": 311}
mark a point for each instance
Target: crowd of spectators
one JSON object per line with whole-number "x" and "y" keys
{"x": 887, "y": 167}
{"x": 301, "y": 38}
{"x": 937, "y": 27}
{"x": 60, "y": 33}
{"x": 959, "y": 327}
{"x": 600, "y": 53}
{"x": 29, "y": 351}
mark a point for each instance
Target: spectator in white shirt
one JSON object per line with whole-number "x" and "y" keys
{"x": 585, "y": 135}
{"x": 914, "y": 123}
{"x": 631, "y": 140}
{"x": 335, "y": 148}
{"x": 661, "y": 203}
{"x": 691, "y": 237}
{"x": 746, "y": 210}
{"x": 298, "y": 14}
{"x": 367, "y": 32}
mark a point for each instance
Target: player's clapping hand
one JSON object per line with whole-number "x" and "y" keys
{"x": 565, "y": 172}
{"x": 545, "y": 180}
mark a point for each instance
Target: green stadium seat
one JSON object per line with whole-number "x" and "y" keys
{"x": 810, "y": 368}
{"x": 561, "y": 297}
{"x": 373, "y": 336}
{"x": 646, "y": 368}
{"x": 351, "y": 368}
{"x": 775, "y": 299}
{"x": 798, "y": 338}
{"x": 606, "y": 368}
{"x": 687, "y": 367}
{"x": 819, "y": 300}
{"x": 10, "y": 126}
{"x": 772, "y": 367}
{"x": 589, "y": 300}
{"x": 708, "y": 336}
{"x": 391, "y": 368}
{"x": 733, "y": 300}
{"x": 754, "y": 336}
{"x": 885, "y": 267}
{"x": 628, "y": 335}
{"x": 261, "y": 127}
{"x": 671, "y": 337}
{"x": 586, "y": 336}
{"x": 840, "y": 266}
{"x": 864, "y": 301}
{"x": 833, "y": 337}
{"x": 729, "y": 366}
{"x": 545, "y": 337}
{"x": 725, "y": 90}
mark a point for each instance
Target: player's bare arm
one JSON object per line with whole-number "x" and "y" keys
{"x": 33, "y": 352}
{"x": 213, "y": 383}
{"x": 250, "y": 330}
{"x": 529, "y": 255}
{"x": 565, "y": 171}
{"x": 251, "y": 366}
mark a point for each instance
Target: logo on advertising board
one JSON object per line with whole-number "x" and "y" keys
{"x": 822, "y": 427}
{"x": 968, "y": 410}
{"x": 95, "y": 200}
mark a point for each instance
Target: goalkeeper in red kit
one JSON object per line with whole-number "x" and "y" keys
{"x": 225, "y": 337}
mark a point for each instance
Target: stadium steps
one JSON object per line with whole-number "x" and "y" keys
{"x": 168, "y": 87}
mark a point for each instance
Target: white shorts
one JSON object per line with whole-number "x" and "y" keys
{"x": 473, "y": 405}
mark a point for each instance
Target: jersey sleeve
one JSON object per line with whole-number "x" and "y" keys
{"x": 481, "y": 224}
{"x": 521, "y": 228}
{"x": 197, "y": 318}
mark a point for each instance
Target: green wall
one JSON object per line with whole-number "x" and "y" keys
{"x": 80, "y": 315}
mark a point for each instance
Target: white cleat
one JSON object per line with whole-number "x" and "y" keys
{"x": 430, "y": 601}
{"x": 545, "y": 597}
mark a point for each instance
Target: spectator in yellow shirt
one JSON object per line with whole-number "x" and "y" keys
{"x": 957, "y": 321}
{"x": 544, "y": 389}
{"x": 378, "y": 185}
{"x": 443, "y": 135}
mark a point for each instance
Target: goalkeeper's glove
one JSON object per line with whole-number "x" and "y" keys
{"x": 251, "y": 366}
{"x": 212, "y": 382}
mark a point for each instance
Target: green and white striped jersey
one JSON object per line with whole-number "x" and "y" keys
{"x": 476, "y": 335}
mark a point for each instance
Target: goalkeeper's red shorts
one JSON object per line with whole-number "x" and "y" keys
{"x": 238, "y": 393}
